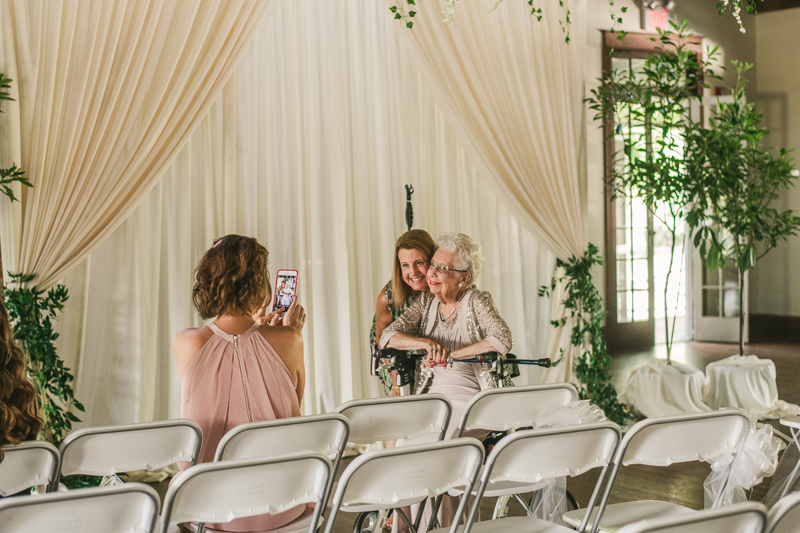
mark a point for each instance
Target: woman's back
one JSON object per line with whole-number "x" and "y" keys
{"x": 232, "y": 380}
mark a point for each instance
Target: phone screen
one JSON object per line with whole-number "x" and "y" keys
{"x": 285, "y": 289}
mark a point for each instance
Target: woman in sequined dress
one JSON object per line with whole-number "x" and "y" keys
{"x": 412, "y": 253}
{"x": 454, "y": 320}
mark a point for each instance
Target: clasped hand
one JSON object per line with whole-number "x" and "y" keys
{"x": 437, "y": 355}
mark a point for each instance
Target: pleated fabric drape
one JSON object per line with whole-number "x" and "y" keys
{"x": 506, "y": 84}
{"x": 107, "y": 93}
{"x": 308, "y": 149}
{"x": 510, "y": 89}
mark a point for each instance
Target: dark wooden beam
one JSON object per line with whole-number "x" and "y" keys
{"x": 775, "y": 5}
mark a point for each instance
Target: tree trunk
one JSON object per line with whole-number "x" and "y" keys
{"x": 741, "y": 312}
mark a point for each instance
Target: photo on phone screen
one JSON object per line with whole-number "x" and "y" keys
{"x": 285, "y": 289}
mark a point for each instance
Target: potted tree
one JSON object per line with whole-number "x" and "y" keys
{"x": 734, "y": 181}
{"x": 650, "y": 110}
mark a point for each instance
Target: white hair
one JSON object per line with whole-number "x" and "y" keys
{"x": 468, "y": 253}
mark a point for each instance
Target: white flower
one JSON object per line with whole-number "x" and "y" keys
{"x": 449, "y": 10}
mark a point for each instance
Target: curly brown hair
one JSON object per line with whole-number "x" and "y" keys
{"x": 19, "y": 420}
{"x": 231, "y": 276}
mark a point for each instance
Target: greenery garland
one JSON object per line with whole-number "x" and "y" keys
{"x": 13, "y": 174}
{"x": 724, "y": 6}
{"x": 585, "y": 306}
{"x": 32, "y": 311}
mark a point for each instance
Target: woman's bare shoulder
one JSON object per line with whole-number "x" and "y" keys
{"x": 187, "y": 343}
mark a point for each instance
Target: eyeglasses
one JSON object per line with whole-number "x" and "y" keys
{"x": 444, "y": 269}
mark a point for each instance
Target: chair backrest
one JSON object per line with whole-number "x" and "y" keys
{"x": 397, "y": 477}
{"x": 106, "y": 450}
{"x": 223, "y": 491}
{"x": 132, "y": 507}
{"x": 747, "y": 517}
{"x": 507, "y": 408}
{"x": 662, "y": 441}
{"x": 325, "y": 434}
{"x": 26, "y": 465}
{"x": 784, "y": 517}
{"x": 535, "y": 455}
{"x": 400, "y": 417}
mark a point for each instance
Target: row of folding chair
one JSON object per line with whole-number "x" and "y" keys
{"x": 104, "y": 451}
{"x": 410, "y": 417}
{"x": 226, "y": 490}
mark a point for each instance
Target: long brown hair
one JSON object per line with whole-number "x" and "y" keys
{"x": 231, "y": 276}
{"x": 19, "y": 420}
{"x": 415, "y": 239}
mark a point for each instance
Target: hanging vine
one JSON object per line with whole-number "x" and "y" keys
{"x": 584, "y": 306}
{"x": 400, "y": 12}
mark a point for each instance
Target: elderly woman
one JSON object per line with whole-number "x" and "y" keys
{"x": 454, "y": 321}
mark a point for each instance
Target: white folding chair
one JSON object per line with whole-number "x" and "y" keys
{"x": 536, "y": 455}
{"x": 107, "y": 450}
{"x": 128, "y": 508}
{"x": 662, "y": 441}
{"x": 747, "y": 517}
{"x": 398, "y": 477}
{"x": 784, "y": 517}
{"x": 325, "y": 434}
{"x": 506, "y": 408}
{"x": 27, "y": 465}
{"x": 400, "y": 417}
{"x": 224, "y": 491}
{"x": 510, "y": 408}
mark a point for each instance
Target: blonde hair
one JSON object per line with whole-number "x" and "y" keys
{"x": 232, "y": 275}
{"x": 415, "y": 239}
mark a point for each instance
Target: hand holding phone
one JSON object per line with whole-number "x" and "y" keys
{"x": 285, "y": 300}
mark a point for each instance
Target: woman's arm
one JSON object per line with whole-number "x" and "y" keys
{"x": 409, "y": 323}
{"x": 383, "y": 317}
{"x": 288, "y": 343}
{"x": 478, "y": 348}
{"x": 496, "y": 337}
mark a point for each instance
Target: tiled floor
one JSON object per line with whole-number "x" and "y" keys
{"x": 682, "y": 483}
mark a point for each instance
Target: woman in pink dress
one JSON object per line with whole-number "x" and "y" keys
{"x": 242, "y": 367}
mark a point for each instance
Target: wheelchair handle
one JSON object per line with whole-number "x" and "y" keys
{"x": 388, "y": 353}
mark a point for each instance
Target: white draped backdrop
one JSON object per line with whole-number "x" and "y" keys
{"x": 307, "y": 147}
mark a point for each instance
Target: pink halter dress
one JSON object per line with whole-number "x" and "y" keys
{"x": 232, "y": 380}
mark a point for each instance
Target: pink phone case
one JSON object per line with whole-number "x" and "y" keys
{"x": 285, "y": 289}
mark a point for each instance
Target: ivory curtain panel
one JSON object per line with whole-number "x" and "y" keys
{"x": 107, "y": 93}
{"x": 307, "y": 148}
{"x": 510, "y": 89}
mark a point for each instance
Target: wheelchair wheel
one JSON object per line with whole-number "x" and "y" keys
{"x": 502, "y": 503}
{"x": 365, "y": 522}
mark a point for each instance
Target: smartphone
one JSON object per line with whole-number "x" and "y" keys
{"x": 285, "y": 290}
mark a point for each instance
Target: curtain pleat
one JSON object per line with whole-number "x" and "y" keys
{"x": 107, "y": 94}
{"x": 308, "y": 149}
{"x": 506, "y": 84}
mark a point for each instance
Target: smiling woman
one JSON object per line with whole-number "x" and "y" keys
{"x": 412, "y": 252}
{"x": 453, "y": 321}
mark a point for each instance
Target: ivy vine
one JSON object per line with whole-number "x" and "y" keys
{"x": 449, "y": 10}
{"x": 32, "y": 311}
{"x": 585, "y": 306}
{"x": 13, "y": 174}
